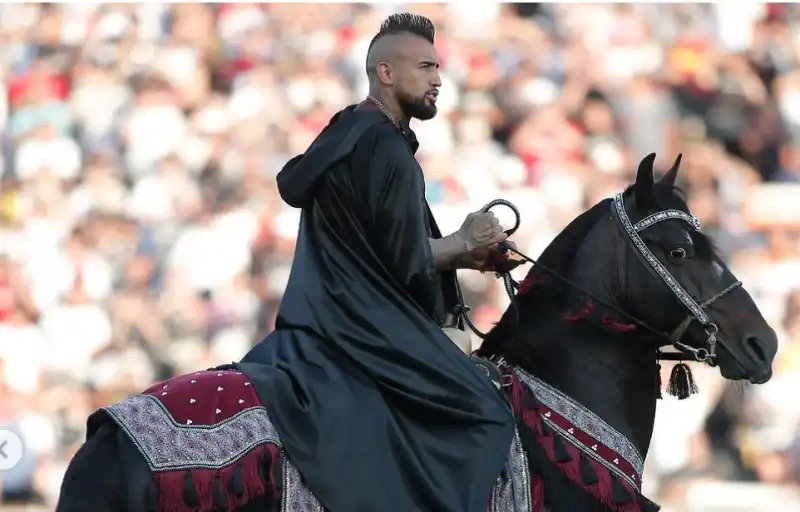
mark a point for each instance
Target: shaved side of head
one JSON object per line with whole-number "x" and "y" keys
{"x": 387, "y": 44}
{"x": 390, "y": 49}
{"x": 384, "y": 49}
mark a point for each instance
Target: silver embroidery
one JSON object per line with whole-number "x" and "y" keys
{"x": 584, "y": 419}
{"x": 512, "y": 492}
{"x": 167, "y": 445}
{"x": 520, "y": 474}
{"x": 661, "y": 270}
{"x": 296, "y": 496}
{"x": 666, "y": 215}
{"x": 592, "y": 453}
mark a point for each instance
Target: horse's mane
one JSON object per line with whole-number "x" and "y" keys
{"x": 539, "y": 289}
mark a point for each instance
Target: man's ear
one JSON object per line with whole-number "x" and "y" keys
{"x": 385, "y": 73}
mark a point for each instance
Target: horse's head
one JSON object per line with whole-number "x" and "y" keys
{"x": 639, "y": 264}
{"x": 676, "y": 283}
{"x": 627, "y": 278}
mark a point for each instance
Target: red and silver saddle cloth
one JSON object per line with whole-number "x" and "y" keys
{"x": 209, "y": 433}
{"x": 210, "y": 444}
{"x": 575, "y": 458}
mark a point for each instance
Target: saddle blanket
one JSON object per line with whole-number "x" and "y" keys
{"x": 209, "y": 443}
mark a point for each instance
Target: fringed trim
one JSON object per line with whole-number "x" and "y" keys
{"x": 565, "y": 478}
{"x": 537, "y": 493}
{"x": 203, "y": 490}
{"x": 271, "y": 471}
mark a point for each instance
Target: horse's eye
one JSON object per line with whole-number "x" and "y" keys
{"x": 677, "y": 254}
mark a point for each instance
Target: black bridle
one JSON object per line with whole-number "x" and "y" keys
{"x": 696, "y": 310}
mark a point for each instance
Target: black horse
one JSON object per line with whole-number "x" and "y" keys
{"x": 576, "y": 353}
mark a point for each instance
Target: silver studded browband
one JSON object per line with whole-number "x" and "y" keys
{"x": 633, "y": 232}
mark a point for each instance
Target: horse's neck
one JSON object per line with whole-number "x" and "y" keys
{"x": 608, "y": 374}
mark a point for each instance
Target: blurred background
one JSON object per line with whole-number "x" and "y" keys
{"x": 141, "y": 234}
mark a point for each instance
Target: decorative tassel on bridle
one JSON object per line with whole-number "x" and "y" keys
{"x": 681, "y": 382}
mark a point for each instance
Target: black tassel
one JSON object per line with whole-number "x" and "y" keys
{"x": 588, "y": 474}
{"x": 560, "y": 452}
{"x": 151, "y": 496}
{"x": 619, "y": 493}
{"x": 220, "y": 499}
{"x": 277, "y": 474}
{"x": 237, "y": 481}
{"x": 681, "y": 382}
{"x": 265, "y": 466}
{"x": 547, "y": 430}
{"x": 265, "y": 471}
{"x": 189, "y": 492}
{"x": 528, "y": 402}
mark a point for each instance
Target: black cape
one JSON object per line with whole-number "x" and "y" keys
{"x": 377, "y": 408}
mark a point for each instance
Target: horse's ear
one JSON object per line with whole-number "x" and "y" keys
{"x": 644, "y": 189}
{"x": 669, "y": 178}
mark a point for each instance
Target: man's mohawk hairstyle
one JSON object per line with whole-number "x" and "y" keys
{"x": 410, "y": 23}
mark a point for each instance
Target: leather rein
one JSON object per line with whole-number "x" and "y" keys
{"x": 695, "y": 309}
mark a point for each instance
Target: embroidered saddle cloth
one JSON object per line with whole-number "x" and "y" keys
{"x": 576, "y": 460}
{"x": 209, "y": 444}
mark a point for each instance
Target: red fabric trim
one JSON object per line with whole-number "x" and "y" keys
{"x": 171, "y": 484}
{"x": 602, "y": 490}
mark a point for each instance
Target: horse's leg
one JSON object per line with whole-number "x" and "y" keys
{"x": 95, "y": 478}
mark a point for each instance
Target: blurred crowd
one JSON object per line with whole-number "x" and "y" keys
{"x": 141, "y": 234}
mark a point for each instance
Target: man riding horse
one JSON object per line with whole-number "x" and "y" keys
{"x": 360, "y": 391}
{"x": 375, "y": 406}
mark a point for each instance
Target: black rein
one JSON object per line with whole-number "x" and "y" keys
{"x": 504, "y": 272}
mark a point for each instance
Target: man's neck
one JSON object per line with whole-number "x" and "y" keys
{"x": 390, "y": 103}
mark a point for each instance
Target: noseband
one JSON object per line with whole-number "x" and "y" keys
{"x": 696, "y": 310}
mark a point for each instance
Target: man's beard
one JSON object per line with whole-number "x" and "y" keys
{"x": 416, "y": 108}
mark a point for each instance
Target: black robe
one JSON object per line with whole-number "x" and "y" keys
{"x": 377, "y": 408}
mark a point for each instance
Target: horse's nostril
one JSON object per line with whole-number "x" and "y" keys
{"x": 756, "y": 348}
